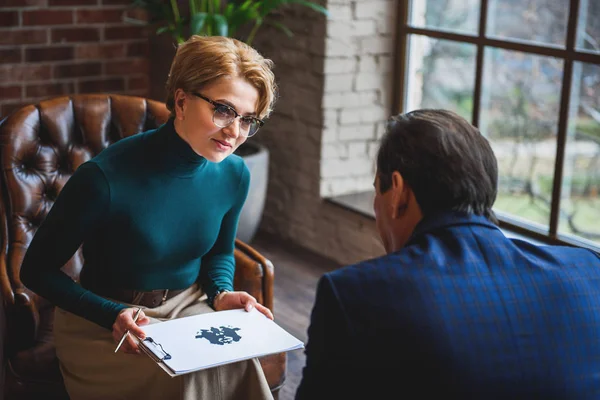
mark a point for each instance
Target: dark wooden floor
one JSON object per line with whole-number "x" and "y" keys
{"x": 296, "y": 274}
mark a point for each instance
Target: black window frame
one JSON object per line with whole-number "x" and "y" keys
{"x": 569, "y": 54}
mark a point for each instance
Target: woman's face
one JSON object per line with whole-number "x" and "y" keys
{"x": 194, "y": 116}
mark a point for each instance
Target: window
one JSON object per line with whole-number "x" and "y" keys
{"x": 527, "y": 73}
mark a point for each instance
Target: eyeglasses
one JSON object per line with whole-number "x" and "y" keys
{"x": 224, "y": 116}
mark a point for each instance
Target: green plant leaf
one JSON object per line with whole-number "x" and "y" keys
{"x": 237, "y": 17}
{"x": 197, "y": 23}
{"x": 268, "y": 6}
{"x": 220, "y": 25}
{"x": 316, "y": 7}
{"x": 218, "y": 17}
{"x": 163, "y": 29}
{"x": 175, "y": 9}
{"x": 281, "y": 27}
{"x": 157, "y": 10}
{"x": 193, "y": 7}
{"x": 257, "y": 24}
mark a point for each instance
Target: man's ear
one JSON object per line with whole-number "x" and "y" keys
{"x": 400, "y": 195}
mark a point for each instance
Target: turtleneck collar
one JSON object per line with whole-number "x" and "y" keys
{"x": 180, "y": 159}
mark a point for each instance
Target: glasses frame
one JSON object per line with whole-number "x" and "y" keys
{"x": 216, "y": 105}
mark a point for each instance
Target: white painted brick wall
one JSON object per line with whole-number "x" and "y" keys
{"x": 357, "y": 149}
{"x": 356, "y": 132}
{"x": 340, "y": 11}
{"x": 341, "y": 168}
{"x": 330, "y": 135}
{"x": 335, "y": 87}
{"x": 360, "y": 90}
{"x": 351, "y": 28}
{"x": 375, "y": 45}
{"x": 375, "y": 63}
{"x": 374, "y": 9}
{"x": 346, "y": 183}
{"x": 342, "y": 47}
{"x": 350, "y": 99}
{"x": 371, "y": 114}
{"x": 339, "y": 83}
{"x": 335, "y": 151}
{"x": 372, "y": 81}
{"x": 339, "y": 66}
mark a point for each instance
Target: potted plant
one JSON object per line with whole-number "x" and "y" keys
{"x": 240, "y": 19}
{"x": 217, "y": 17}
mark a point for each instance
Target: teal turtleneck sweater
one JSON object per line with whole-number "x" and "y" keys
{"x": 150, "y": 213}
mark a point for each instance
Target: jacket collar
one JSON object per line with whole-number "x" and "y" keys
{"x": 447, "y": 219}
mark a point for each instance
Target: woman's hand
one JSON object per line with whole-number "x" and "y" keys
{"x": 234, "y": 300}
{"x": 124, "y": 322}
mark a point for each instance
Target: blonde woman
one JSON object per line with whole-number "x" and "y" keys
{"x": 157, "y": 215}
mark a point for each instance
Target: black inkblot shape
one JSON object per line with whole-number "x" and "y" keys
{"x": 220, "y": 336}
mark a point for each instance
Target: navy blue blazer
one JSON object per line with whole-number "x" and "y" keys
{"x": 460, "y": 312}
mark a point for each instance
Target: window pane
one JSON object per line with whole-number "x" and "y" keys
{"x": 541, "y": 21}
{"x": 588, "y": 27}
{"x": 519, "y": 115}
{"x": 451, "y": 15}
{"x": 441, "y": 74}
{"x": 580, "y": 202}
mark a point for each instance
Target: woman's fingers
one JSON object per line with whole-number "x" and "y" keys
{"x": 132, "y": 345}
{"x": 249, "y": 302}
{"x": 134, "y": 327}
{"x": 264, "y": 310}
{"x": 241, "y": 299}
{"x": 124, "y": 323}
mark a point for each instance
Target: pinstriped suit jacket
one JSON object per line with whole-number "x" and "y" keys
{"x": 460, "y": 312}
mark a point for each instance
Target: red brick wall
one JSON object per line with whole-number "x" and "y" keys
{"x": 50, "y": 48}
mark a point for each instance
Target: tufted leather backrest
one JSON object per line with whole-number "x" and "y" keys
{"x": 41, "y": 146}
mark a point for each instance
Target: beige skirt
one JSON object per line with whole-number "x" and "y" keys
{"x": 92, "y": 370}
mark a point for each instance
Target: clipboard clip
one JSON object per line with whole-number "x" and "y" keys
{"x": 157, "y": 349}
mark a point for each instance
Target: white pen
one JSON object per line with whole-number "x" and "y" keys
{"x": 135, "y": 318}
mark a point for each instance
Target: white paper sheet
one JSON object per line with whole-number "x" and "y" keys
{"x": 207, "y": 340}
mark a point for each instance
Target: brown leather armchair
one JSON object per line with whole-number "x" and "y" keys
{"x": 41, "y": 146}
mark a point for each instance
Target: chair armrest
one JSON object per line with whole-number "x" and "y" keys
{"x": 253, "y": 273}
{"x": 3, "y": 360}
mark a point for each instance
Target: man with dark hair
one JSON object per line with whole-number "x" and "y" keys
{"x": 455, "y": 310}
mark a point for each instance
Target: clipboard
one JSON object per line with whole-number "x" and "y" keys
{"x": 193, "y": 343}
{"x": 156, "y": 353}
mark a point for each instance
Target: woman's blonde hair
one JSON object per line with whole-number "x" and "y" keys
{"x": 202, "y": 60}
